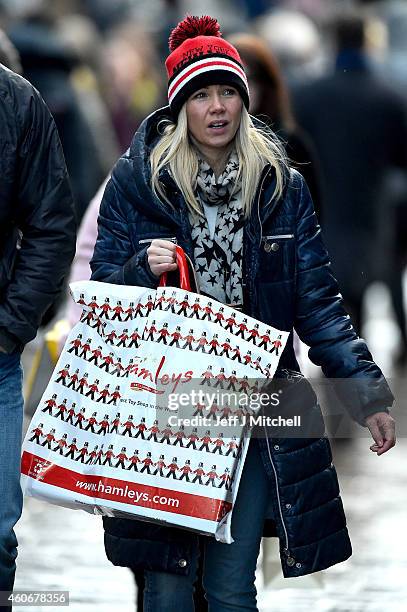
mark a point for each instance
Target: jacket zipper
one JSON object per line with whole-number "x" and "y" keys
{"x": 286, "y": 550}
{"x": 144, "y": 240}
{"x": 258, "y": 205}
{"x": 278, "y": 236}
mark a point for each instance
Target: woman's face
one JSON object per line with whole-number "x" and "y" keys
{"x": 213, "y": 115}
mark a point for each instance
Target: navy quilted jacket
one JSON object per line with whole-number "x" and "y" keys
{"x": 289, "y": 286}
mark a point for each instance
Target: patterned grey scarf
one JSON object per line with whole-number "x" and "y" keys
{"x": 218, "y": 261}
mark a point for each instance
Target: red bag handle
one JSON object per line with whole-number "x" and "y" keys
{"x": 183, "y": 271}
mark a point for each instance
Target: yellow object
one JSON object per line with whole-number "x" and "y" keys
{"x": 43, "y": 363}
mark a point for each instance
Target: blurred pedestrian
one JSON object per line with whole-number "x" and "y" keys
{"x": 134, "y": 86}
{"x": 295, "y": 40}
{"x": 48, "y": 64}
{"x": 270, "y": 102}
{"x": 80, "y": 34}
{"x": 203, "y": 170}
{"x": 8, "y": 54}
{"x": 37, "y": 224}
{"x": 359, "y": 127}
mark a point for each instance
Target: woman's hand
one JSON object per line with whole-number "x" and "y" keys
{"x": 382, "y": 428}
{"x": 161, "y": 256}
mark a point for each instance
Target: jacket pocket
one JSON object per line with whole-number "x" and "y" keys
{"x": 278, "y": 237}
{"x": 142, "y": 241}
{"x": 277, "y": 257}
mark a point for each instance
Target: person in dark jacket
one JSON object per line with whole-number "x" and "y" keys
{"x": 270, "y": 102}
{"x": 37, "y": 244}
{"x": 8, "y": 54}
{"x": 184, "y": 174}
{"x": 358, "y": 125}
{"x": 48, "y": 64}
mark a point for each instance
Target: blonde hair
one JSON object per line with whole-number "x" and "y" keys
{"x": 254, "y": 147}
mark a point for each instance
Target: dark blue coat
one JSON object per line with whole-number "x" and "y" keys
{"x": 290, "y": 287}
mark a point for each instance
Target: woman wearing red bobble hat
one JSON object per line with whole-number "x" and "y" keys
{"x": 204, "y": 173}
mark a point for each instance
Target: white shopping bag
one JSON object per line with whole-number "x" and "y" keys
{"x": 134, "y": 420}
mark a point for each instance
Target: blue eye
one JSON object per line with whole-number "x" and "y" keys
{"x": 200, "y": 94}
{"x": 229, "y": 91}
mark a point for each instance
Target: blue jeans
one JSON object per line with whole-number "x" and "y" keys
{"x": 229, "y": 569}
{"x": 11, "y": 498}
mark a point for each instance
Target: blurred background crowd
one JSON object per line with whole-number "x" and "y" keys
{"x": 329, "y": 76}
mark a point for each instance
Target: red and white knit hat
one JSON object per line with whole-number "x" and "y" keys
{"x": 200, "y": 57}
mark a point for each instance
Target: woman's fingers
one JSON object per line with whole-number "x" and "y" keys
{"x": 162, "y": 247}
{"x": 160, "y": 268}
{"x": 164, "y": 266}
{"x": 387, "y": 445}
{"x": 168, "y": 244}
{"x": 158, "y": 259}
{"x": 382, "y": 428}
{"x": 161, "y": 252}
{"x": 161, "y": 256}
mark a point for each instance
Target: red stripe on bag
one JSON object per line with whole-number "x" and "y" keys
{"x": 133, "y": 494}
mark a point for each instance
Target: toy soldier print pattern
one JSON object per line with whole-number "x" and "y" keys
{"x": 128, "y": 426}
{"x": 122, "y": 457}
{"x": 72, "y": 449}
{"x": 172, "y": 468}
{"x": 92, "y": 421}
{"x": 176, "y": 335}
{"x": 276, "y": 345}
{"x": 141, "y": 428}
{"x": 63, "y": 375}
{"x": 71, "y": 414}
{"x": 50, "y": 404}
{"x": 61, "y": 444}
{"x": 160, "y": 465}
{"x": 76, "y": 345}
{"x": 49, "y": 438}
{"x": 154, "y": 430}
{"x": 212, "y": 475}
{"x": 104, "y": 424}
{"x": 109, "y": 456}
{"x": 85, "y": 348}
{"x": 92, "y": 455}
{"x": 199, "y": 473}
{"x": 82, "y": 453}
{"x": 133, "y": 461}
{"x": 80, "y": 417}
{"x": 101, "y": 416}
{"x": 62, "y": 409}
{"x": 199, "y": 308}
{"x": 115, "y": 423}
{"x": 37, "y": 433}
{"x": 186, "y": 470}
{"x": 118, "y": 311}
{"x": 147, "y": 463}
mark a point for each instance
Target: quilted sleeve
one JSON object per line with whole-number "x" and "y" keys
{"x": 114, "y": 259}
